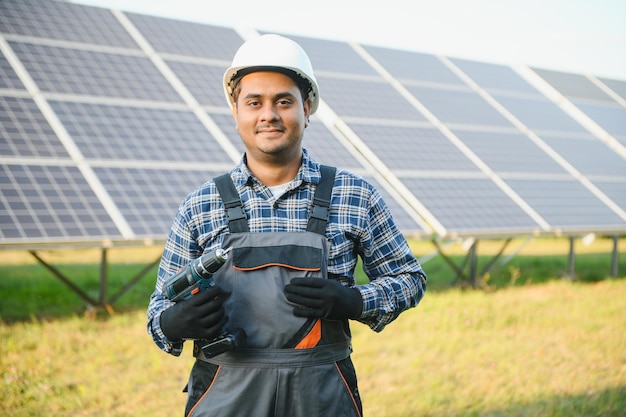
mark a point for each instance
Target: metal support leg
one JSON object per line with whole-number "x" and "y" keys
{"x": 102, "y": 300}
{"x": 103, "y": 278}
{"x": 70, "y": 284}
{"x": 134, "y": 280}
{"x": 615, "y": 257}
{"x": 571, "y": 261}
{"x": 473, "y": 264}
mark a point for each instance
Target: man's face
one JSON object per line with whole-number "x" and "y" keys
{"x": 271, "y": 117}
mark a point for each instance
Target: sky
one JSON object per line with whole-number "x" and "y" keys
{"x": 577, "y": 36}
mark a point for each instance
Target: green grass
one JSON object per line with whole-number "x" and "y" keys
{"x": 529, "y": 344}
{"x": 556, "y": 349}
{"x": 37, "y": 293}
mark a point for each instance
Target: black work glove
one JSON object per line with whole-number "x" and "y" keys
{"x": 200, "y": 316}
{"x": 324, "y": 298}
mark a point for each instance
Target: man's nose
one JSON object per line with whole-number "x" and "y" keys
{"x": 269, "y": 112}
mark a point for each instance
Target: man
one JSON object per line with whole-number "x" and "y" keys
{"x": 295, "y": 230}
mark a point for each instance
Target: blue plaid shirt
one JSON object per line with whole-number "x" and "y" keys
{"x": 359, "y": 223}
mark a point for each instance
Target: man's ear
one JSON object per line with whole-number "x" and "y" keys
{"x": 307, "y": 111}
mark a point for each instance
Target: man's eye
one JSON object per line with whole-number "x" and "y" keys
{"x": 284, "y": 102}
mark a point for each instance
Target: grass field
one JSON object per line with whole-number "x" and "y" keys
{"x": 530, "y": 344}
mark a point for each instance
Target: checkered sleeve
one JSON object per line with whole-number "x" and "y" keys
{"x": 180, "y": 248}
{"x": 397, "y": 281}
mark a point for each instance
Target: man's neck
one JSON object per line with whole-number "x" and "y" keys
{"x": 274, "y": 174}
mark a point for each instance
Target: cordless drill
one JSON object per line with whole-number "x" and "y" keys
{"x": 197, "y": 276}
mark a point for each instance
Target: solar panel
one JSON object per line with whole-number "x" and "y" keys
{"x": 484, "y": 209}
{"x": 112, "y": 144}
{"x": 326, "y": 149}
{"x": 63, "y": 21}
{"x": 509, "y": 152}
{"x": 611, "y": 118}
{"x": 42, "y": 203}
{"x": 134, "y": 133}
{"x": 372, "y": 99}
{"x": 24, "y": 132}
{"x": 187, "y": 38}
{"x": 495, "y": 78}
{"x": 74, "y": 71}
{"x": 588, "y": 155}
{"x": 333, "y": 57}
{"x": 574, "y": 86}
{"x": 227, "y": 125}
{"x": 404, "y": 221}
{"x": 410, "y": 148}
{"x": 459, "y": 107}
{"x": 413, "y": 66}
{"x": 566, "y": 203}
{"x": 616, "y": 86}
{"x": 540, "y": 114}
{"x": 204, "y": 81}
{"x": 149, "y": 197}
{"x": 615, "y": 190}
{"x": 8, "y": 77}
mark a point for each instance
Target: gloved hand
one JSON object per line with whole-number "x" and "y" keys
{"x": 201, "y": 316}
{"x": 324, "y": 298}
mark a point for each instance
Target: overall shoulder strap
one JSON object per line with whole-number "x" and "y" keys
{"x": 237, "y": 221}
{"x": 321, "y": 201}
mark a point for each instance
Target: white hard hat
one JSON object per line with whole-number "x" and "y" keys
{"x": 271, "y": 53}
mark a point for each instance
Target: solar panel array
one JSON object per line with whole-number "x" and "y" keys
{"x": 109, "y": 118}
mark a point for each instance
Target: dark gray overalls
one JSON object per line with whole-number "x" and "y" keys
{"x": 289, "y": 366}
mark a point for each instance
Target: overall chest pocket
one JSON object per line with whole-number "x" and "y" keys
{"x": 256, "y": 278}
{"x": 294, "y": 257}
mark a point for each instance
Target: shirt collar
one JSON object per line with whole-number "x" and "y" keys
{"x": 309, "y": 171}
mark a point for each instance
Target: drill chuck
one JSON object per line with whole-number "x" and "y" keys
{"x": 196, "y": 276}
